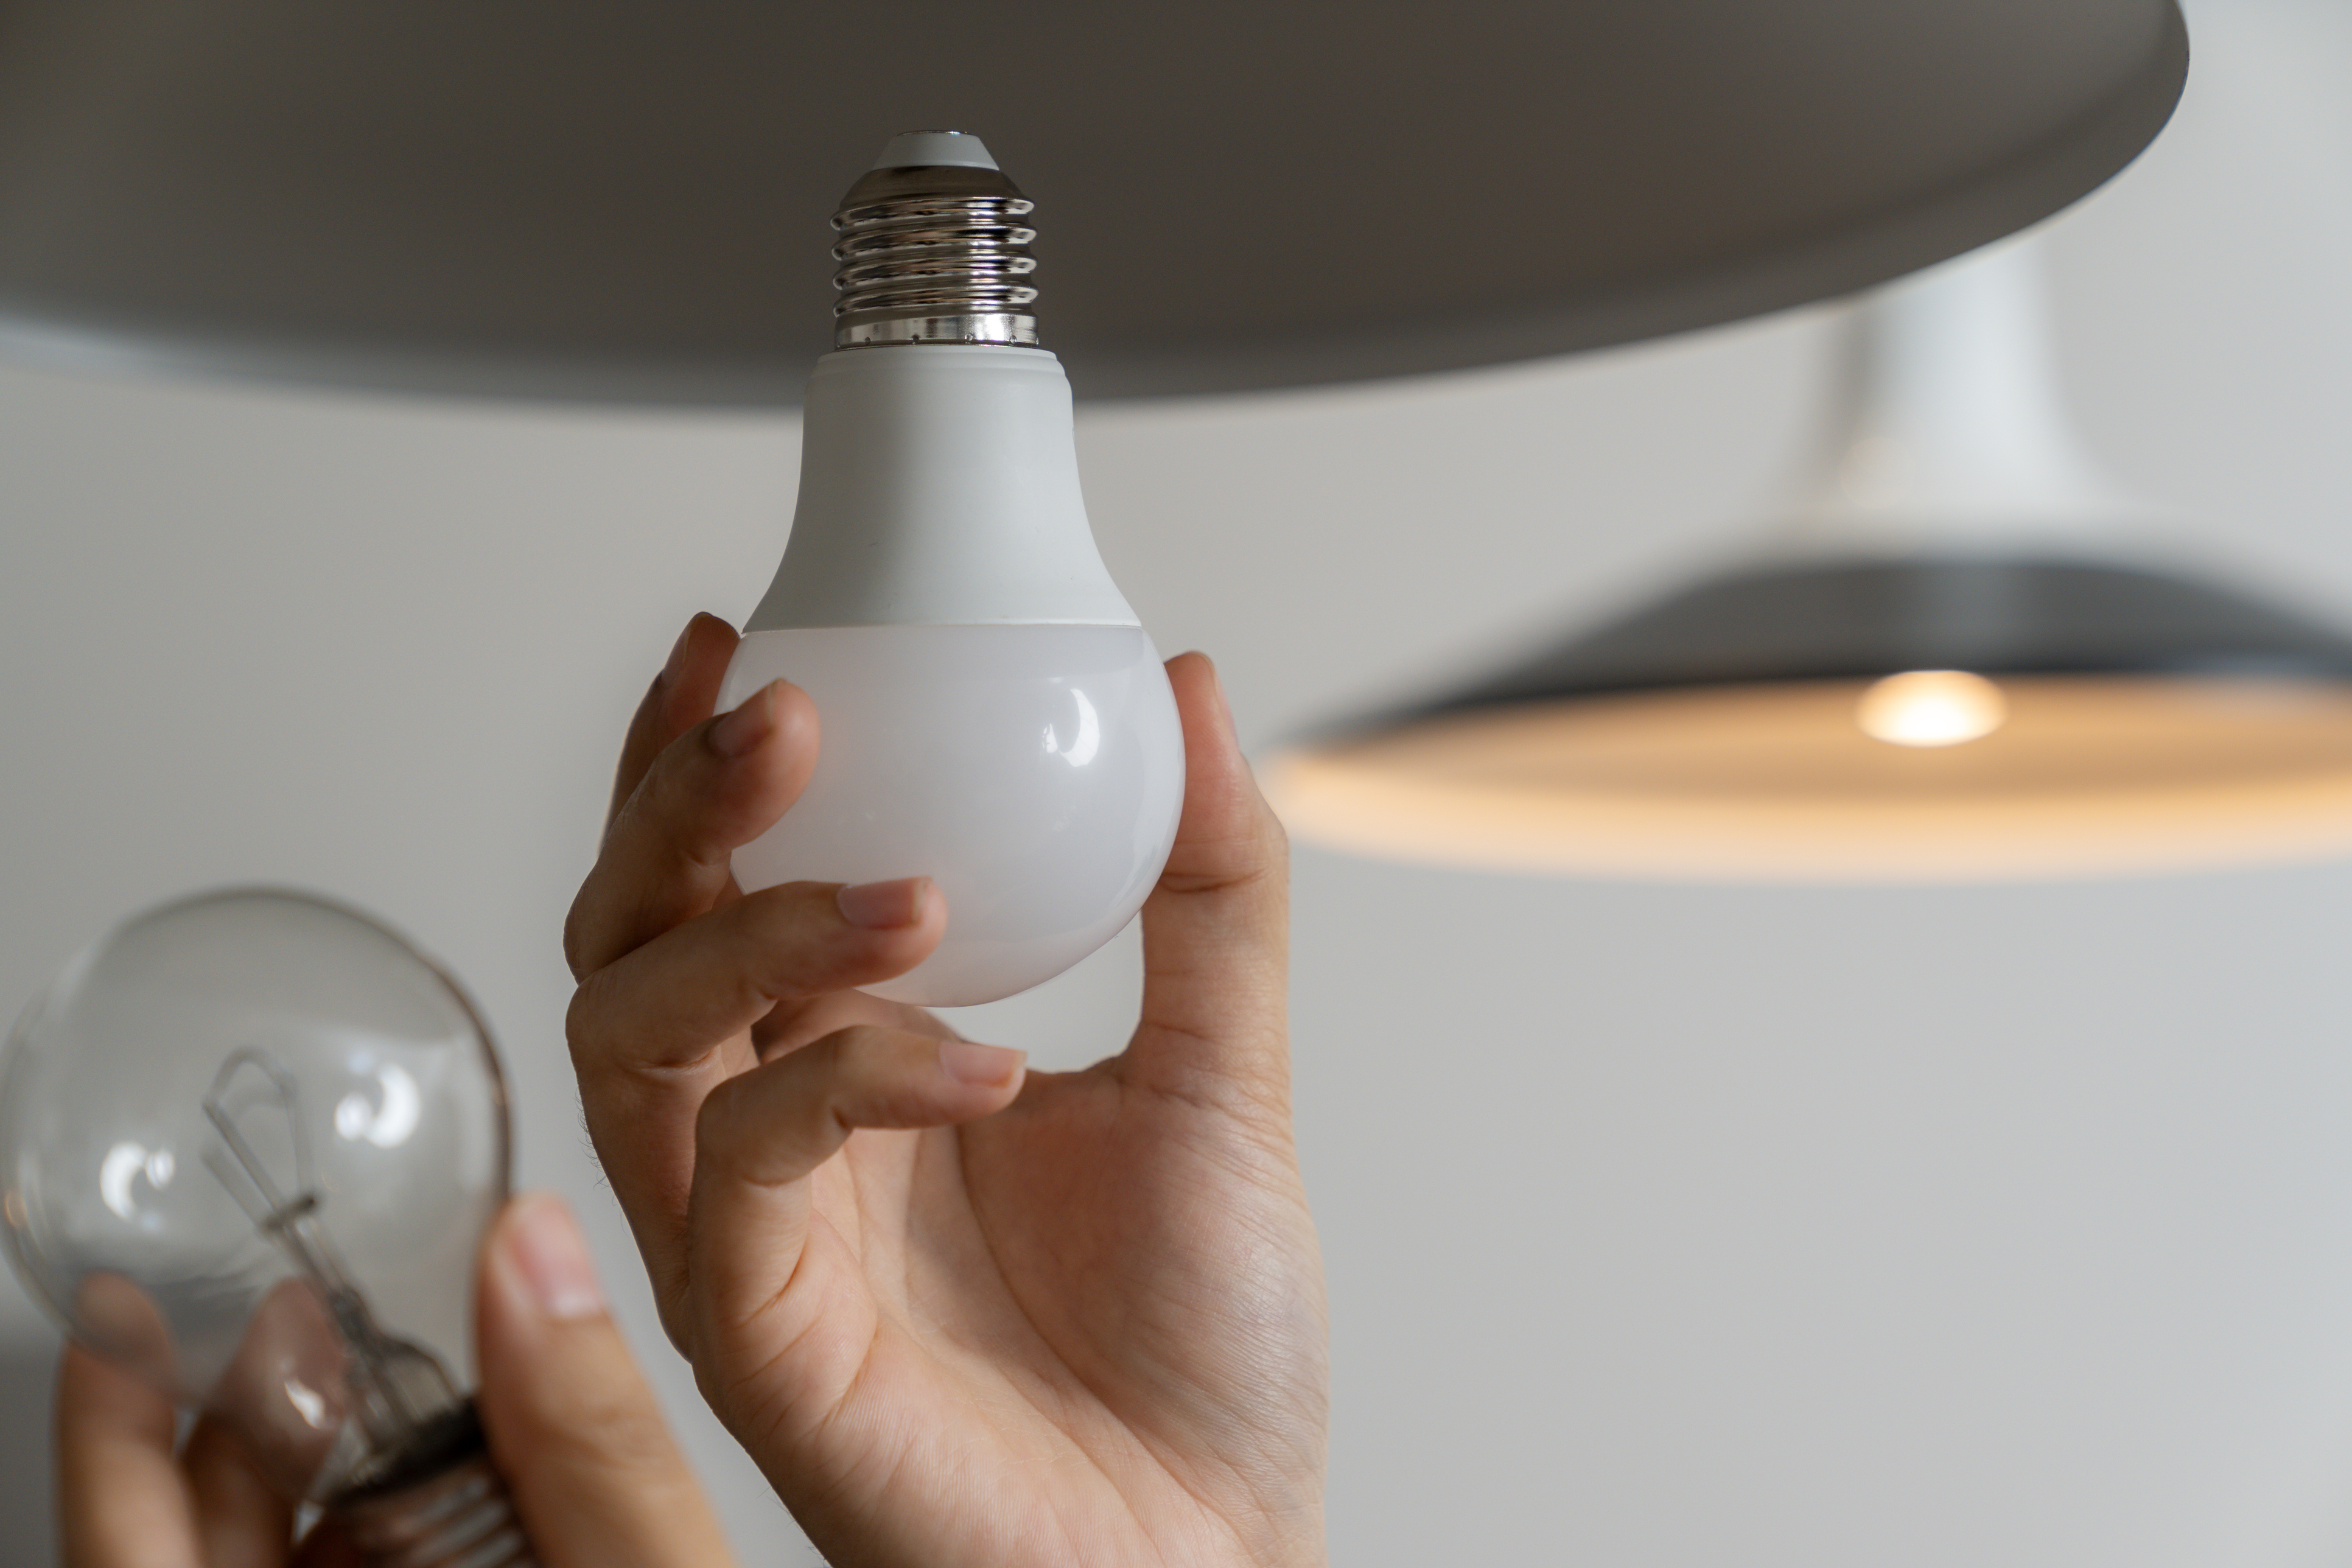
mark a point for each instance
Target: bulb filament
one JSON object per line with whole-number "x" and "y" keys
{"x": 402, "y": 1397}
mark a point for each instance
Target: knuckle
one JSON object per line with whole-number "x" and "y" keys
{"x": 675, "y": 1308}
{"x": 579, "y": 1016}
{"x": 825, "y": 1058}
{"x": 727, "y": 1125}
{"x": 715, "y": 1117}
{"x": 628, "y": 813}
{"x": 831, "y": 1057}
{"x": 576, "y": 943}
{"x": 850, "y": 1040}
{"x": 1274, "y": 837}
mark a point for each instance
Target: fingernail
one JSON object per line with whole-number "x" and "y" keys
{"x": 884, "y": 906}
{"x": 753, "y": 719}
{"x": 984, "y": 1067}
{"x": 548, "y": 1252}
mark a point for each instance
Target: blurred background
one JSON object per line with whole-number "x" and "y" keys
{"x": 1667, "y": 1224}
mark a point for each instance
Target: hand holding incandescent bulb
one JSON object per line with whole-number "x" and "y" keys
{"x": 955, "y": 1313}
{"x": 594, "y": 1470}
{"x": 247, "y": 1143}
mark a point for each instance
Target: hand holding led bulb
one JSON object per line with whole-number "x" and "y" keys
{"x": 956, "y": 1313}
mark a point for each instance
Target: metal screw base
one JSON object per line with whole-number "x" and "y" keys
{"x": 459, "y": 1516}
{"x": 995, "y": 326}
{"x": 934, "y": 254}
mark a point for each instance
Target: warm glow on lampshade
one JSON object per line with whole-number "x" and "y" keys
{"x": 2086, "y": 775}
{"x": 1936, "y": 718}
{"x": 1949, "y": 664}
{"x": 1931, "y": 708}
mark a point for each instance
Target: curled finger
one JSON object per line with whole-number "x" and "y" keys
{"x": 680, "y": 695}
{"x": 714, "y": 788}
{"x": 655, "y": 1032}
{"x": 762, "y": 1136}
{"x": 241, "y": 1519}
{"x": 122, "y": 1501}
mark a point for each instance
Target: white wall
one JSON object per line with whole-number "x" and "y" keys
{"x": 1666, "y": 1225}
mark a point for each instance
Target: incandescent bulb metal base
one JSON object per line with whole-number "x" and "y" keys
{"x": 451, "y": 1510}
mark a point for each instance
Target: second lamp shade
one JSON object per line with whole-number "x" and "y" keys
{"x": 1947, "y": 719}
{"x": 1951, "y": 667}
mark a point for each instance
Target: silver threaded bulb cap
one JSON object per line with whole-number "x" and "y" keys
{"x": 449, "y": 1509}
{"x": 933, "y": 250}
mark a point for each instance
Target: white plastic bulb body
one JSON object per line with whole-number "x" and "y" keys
{"x": 992, "y": 714}
{"x": 248, "y": 1144}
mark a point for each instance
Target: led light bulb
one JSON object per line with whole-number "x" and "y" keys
{"x": 1930, "y": 708}
{"x": 993, "y": 714}
{"x": 248, "y": 1144}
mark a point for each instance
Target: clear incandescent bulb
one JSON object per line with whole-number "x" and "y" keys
{"x": 248, "y": 1144}
{"x": 993, "y": 714}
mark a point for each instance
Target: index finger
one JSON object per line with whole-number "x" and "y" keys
{"x": 680, "y": 697}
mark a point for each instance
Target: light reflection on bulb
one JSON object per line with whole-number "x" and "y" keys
{"x": 308, "y": 1403}
{"x": 124, "y": 1164}
{"x": 1088, "y": 740}
{"x": 1931, "y": 708}
{"x": 388, "y": 1123}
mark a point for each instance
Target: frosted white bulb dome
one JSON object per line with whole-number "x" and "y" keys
{"x": 1035, "y": 773}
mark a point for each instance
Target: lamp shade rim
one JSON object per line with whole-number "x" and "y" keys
{"x": 1934, "y": 721}
{"x": 1861, "y": 618}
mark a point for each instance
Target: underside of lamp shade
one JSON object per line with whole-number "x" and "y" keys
{"x": 2152, "y": 722}
{"x": 528, "y": 199}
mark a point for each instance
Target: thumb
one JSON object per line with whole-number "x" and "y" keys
{"x": 1216, "y": 931}
{"x": 574, "y": 1429}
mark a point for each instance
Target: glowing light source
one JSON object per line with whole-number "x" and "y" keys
{"x": 1931, "y": 708}
{"x": 1824, "y": 708}
{"x": 2087, "y": 776}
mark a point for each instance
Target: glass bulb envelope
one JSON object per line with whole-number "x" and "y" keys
{"x": 248, "y": 1143}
